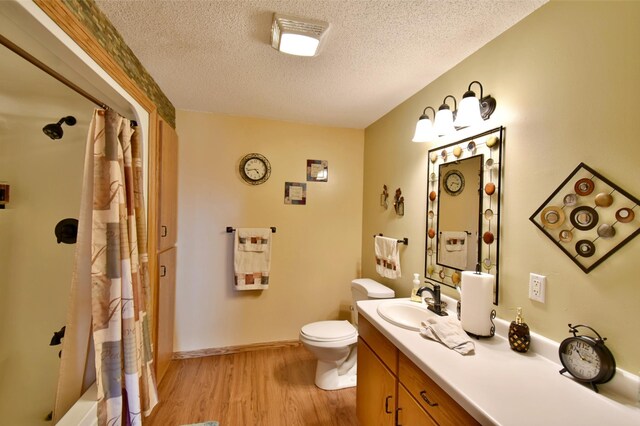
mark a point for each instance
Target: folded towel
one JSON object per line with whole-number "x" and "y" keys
{"x": 387, "y": 257}
{"x": 252, "y": 258}
{"x": 449, "y": 332}
{"x": 453, "y": 249}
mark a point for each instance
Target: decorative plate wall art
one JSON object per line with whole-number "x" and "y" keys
{"x": 588, "y": 217}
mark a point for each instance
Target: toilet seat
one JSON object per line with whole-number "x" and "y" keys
{"x": 329, "y": 331}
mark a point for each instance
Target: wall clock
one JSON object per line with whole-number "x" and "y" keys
{"x": 255, "y": 168}
{"x": 453, "y": 182}
{"x": 586, "y": 358}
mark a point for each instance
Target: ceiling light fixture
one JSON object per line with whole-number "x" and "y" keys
{"x": 424, "y": 127}
{"x": 472, "y": 111}
{"x": 444, "y": 117}
{"x": 297, "y": 36}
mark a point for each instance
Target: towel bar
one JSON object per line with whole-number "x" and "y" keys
{"x": 467, "y": 232}
{"x": 404, "y": 241}
{"x": 230, "y": 229}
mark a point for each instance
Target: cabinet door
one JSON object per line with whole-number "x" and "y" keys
{"x": 168, "y": 186}
{"x": 410, "y": 413}
{"x": 375, "y": 393}
{"x": 166, "y": 310}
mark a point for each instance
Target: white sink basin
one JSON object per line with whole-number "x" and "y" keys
{"x": 404, "y": 313}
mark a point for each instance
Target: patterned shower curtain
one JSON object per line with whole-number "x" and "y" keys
{"x": 120, "y": 290}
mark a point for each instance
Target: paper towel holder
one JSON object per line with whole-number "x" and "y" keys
{"x": 492, "y": 316}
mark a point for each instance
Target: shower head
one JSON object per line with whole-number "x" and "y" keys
{"x": 54, "y": 130}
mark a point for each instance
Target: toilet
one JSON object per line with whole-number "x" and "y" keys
{"x": 334, "y": 342}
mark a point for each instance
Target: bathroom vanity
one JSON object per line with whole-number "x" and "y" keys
{"x": 393, "y": 390}
{"x": 406, "y": 379}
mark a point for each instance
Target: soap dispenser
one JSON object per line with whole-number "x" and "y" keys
{"x": 519, "y": 337}
{"x": 414, "y": 290}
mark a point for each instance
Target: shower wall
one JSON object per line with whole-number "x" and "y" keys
{"x": 35, "y": 271}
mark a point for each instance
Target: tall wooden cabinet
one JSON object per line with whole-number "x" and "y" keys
{"x": 392, "y": 390}
{"x": 167, "y": 232}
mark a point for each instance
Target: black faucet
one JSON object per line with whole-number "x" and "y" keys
{"x": 437, "y": 302}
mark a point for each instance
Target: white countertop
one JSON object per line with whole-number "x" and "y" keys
{"x": 500, "y": 386}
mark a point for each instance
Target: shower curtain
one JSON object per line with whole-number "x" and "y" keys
{"x": 108, "y": 316}
{"x": 120, "y": 292}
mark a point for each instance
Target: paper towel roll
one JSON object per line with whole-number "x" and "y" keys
{"x": 476, "y": 301}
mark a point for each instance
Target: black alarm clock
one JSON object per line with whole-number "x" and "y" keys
{"x": 587, "y": 358}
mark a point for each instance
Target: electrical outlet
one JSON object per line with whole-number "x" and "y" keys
{"x": 537, "y": 284}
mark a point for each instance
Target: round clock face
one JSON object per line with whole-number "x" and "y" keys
{"x": 586, "y": 360}
{"x": 453, "y": 182}
{"x": 581, "y": 360}
{"x": 255, "y": 168}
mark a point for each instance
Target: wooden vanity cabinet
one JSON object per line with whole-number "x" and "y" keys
{"x": 392, "y": 390}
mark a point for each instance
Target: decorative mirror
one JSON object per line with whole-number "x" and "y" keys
{"x": 463, "y": 208}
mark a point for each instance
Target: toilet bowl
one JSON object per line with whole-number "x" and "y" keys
{"x": 333, "y": 343}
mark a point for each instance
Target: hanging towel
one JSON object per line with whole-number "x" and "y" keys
{"x": 453, "y": 249}
{"x": 449, "y": 332}
{"x": 387, "y": 257}
{"x": 252, "y": 258}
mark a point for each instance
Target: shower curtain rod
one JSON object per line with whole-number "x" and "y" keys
{"x": 22, "y": 53}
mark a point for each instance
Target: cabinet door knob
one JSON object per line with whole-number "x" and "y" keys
{"x": 423, "y": 394}
{"x": 164, "y": 231}
{"x": 163, "y": 271}
{"x": 386, "y": 405}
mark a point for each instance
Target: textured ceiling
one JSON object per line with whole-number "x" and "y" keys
{"x": 216, "y": 56}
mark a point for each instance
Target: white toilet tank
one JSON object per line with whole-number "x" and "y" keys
{"x": 366, "y": 288}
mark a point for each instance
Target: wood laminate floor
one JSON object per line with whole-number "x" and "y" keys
{"x": 267, "y": 387}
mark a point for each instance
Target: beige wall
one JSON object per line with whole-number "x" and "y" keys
{"x": 46, "y": 183}
{"x": 316, "y": 250}
{"x": 566, "y": 82}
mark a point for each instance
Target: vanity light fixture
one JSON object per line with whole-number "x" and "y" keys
{"x": 473, "y": 110}
{"x": 444, "y": 118}
{"x": 424, "y": 127}
{"x": 297, "y": 36}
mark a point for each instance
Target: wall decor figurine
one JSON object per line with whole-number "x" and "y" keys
{"x": 588, "y": 217}
{"x": 398, "y": 204}
{"x": 384, "y": 197}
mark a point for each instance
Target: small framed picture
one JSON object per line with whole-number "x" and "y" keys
{"x": 317, "y": 170}
{"x": 295, "y": 193}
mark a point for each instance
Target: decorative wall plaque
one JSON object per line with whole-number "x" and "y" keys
{"x": 295, "y": 193}
{"x": 588, "y": 217}
{"x": 317, "y": 170}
